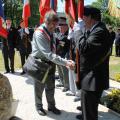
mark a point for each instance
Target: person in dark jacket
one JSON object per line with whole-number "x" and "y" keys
{"x": 117, "y": 43}
{"x": 9, "y": 49}
{"x": 94, "y": 47}
{"x": 24, "y": 46}
{"x": 112, "y": 36}
{"x": 5, "y": 53}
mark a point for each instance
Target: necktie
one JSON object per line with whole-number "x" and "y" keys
{"x": 53, "y": 44}
{"x": 87, "y": 33}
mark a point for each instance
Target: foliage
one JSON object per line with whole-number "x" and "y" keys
{"x": 102, "y": 5}
{"x": 17, "y": 61}
{"x": 13, "y": 10}
{"x": 110, "y": 20}
{"x": 112, "y": 100}
{"x": 117, "y": 77}
{"x": 35, "y": 15}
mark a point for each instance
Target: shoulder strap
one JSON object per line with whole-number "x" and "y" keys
{"x": 43, "y": 31}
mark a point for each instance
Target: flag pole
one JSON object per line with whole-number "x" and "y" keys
{"x": 80, "y": 8}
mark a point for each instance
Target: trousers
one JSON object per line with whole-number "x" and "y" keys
{"x": 48, "y": 86}
{"x": 89, "y": 103}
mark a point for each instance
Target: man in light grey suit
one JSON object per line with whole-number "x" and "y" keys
{"x": 43, "y": 48}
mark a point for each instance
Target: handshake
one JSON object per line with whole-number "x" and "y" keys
{"x": 70, "y": 64}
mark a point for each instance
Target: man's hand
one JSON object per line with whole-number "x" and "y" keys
{"x": 70, "y": 64}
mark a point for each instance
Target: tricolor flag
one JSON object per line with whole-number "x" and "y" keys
{"x": 70, "y": 8}
{"x": 26, "y": 12}
{"x": 53, "y": 5}
{"x": 3, "y": 31}
{"x": 45, "y": 6}
{"x": 80, "y": 9}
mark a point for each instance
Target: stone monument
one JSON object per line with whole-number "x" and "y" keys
{"x": 6, "y": 98}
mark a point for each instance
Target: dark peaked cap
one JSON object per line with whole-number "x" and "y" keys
{"x": 93, "y": 12}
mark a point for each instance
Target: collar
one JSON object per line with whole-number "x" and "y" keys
{"x": 94, "y": 26}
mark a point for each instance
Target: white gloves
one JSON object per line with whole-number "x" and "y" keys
{"x": 27, "y": 30}
{"x": 79, "y": 26}
{"x": 70, "y": 34}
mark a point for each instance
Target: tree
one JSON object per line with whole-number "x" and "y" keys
{"x": 106, "y": 17}
{"x": 35, "y": 15}
{"x": 13, "y": 10}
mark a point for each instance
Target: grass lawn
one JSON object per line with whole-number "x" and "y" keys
{"x": 114, "y": 64}
{"x": 17, "y": 61}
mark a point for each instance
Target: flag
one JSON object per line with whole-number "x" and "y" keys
{"x": 80, "y": 8}
{"x": 80, "y": 16}
{"x": 1, "y": 9}
{"x": 53, "y": 4}
{"x": 70, "y": 8}
{"x": 67, "y": 3}
{"x": 3, "y": 31}
{"x": 45, "y": 6}
{"x": 26, "y": 12}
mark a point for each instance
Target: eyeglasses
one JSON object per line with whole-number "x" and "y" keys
{"x": 62, "y": 25}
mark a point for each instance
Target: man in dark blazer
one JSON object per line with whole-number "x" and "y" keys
{"x": 94, "y": 47}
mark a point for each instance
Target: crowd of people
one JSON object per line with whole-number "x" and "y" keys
{"x": 19, "y": 40}
{"x": 54, "y": 42}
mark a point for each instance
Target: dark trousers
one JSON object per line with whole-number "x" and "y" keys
{"x": 12, "y": 56}
{"x": 48, "y": 86}
{"x": 5, "y": 53}
{"x": 117, "y": 50}
{"x": 8, "y": 55}
{"x": 63, "y": 74}
{"x": 89, "y": 102}
{"x": 23, "y": 55}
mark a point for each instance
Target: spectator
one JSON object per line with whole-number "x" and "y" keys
{"x": 117, "y": 43}
{"x": 112, "y": 36}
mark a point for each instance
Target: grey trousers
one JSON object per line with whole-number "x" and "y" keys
{"x": 63, "y": 73}
{"x": 48, "y": 86}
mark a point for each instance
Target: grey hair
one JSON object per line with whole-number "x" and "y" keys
{"x": 51, "y": 16}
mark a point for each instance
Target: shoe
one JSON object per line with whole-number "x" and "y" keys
{"x": 22, "y": 73}
{"x": 79, "y": 108}
{"x": 55, "y": 110}
{"x": 15, "y": 118}
{"x": 76, "y": 99}
{"x": 79, "y": 117}
{"x": 56, "y": 76}
{"x": 65, "y": 89}
{"x": 59, "y": 85}
{"x": 69, "y": 93}
{"x": 41, "y": 111}
{"x": 12, "y": 70}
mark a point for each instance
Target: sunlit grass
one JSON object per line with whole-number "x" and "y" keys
{"x": 17, "y": 61}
